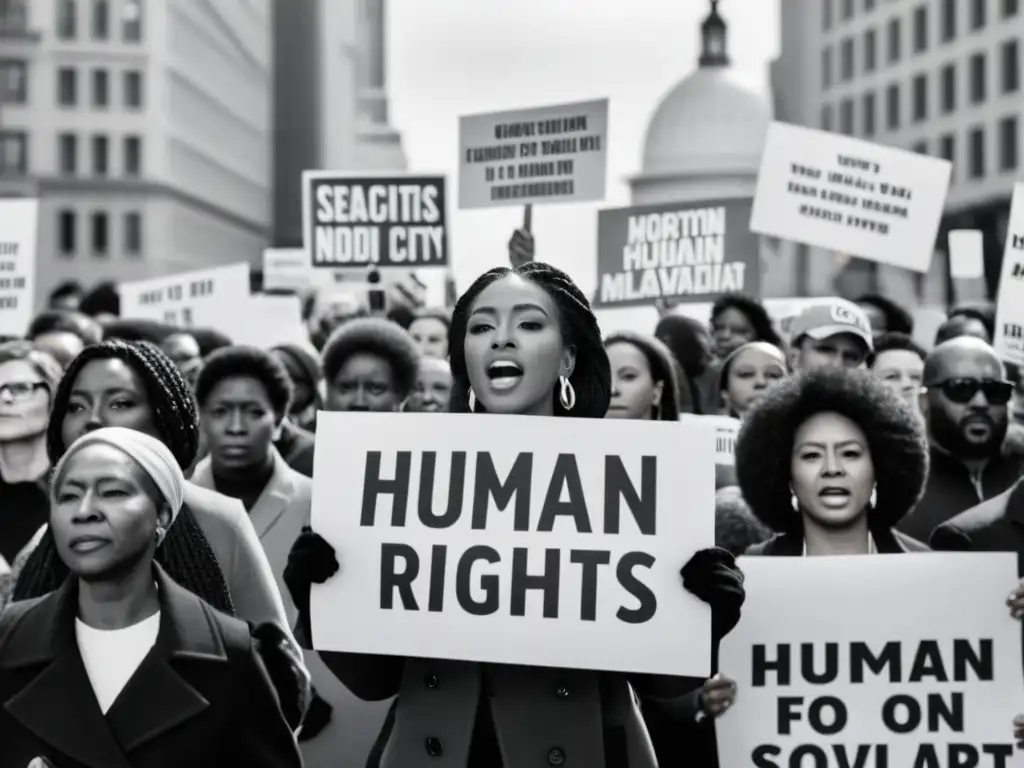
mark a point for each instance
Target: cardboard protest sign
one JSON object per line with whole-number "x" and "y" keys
{"x": 18, "y": 223}
{"x": 877, "y": 202}
{"x": 546, "y": 155}
{"x": 203, "y": 298}
{"x": 266, "y": 321}
{"x": 966, "y": 254}
{"x": 514, "y": 540}
{"x": 363, "y": 220}
{"x": 692, "y": 253}
{"x": 726, "y": 429}
{"x": 873, "y": 660}
{"x": 1009, "y": 340}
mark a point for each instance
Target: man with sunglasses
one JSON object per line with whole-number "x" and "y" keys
{"x": 964, "y": 400}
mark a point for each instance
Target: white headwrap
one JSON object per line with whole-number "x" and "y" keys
{"x": 154, "y": 457}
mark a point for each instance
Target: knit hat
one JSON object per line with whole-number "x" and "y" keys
{"x": 153, "y": 456}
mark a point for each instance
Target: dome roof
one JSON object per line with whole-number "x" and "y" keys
{"x": 707, "y": 123}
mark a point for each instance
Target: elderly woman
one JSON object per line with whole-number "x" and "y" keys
{"x": 121, "y": 666}
{"x": 369, "y": 364}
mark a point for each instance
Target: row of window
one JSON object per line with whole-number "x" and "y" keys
{"x": 129, "y": 14}
{"x": 14, "y": 154}
{"x": 1009, "y": 60}
{"x": 978, "y": 13}
{"x": 99, "y": 234}
{"x": 131, "y": 88}
{"x": 948, "y": 97}
{"x": 1007, "y": 137}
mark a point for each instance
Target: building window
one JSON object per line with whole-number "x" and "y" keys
{"x": 921, "y": 97}
{"x": 13, "y": 14}
{"x": 868, "y": 113}
{"x": 1008, "y": 144}
{"x": 67, "y": 19}
{"x": 100, "y": 155}
{"x": 846, "y": 116}
{"x": 826, "y": 117}
{"x": 870, "y": 50}
{"x": 920, "y": 147}
{"x": 826, "y": 14}
{"x": 131, "y": 21}
{"x": 67, "y": 147}
{"x": 894, "y": 40}
{"x": 948, "y": 20}
{"x": 13, "y": 81}
{"x": 920, "y": 28}
{"x": 100, "y": 88}
{"x": 976, "y": 140}
{"x": 133, "y": 90}
{"x": 826, "y": 68}
{"x": 977, "y": 78}
{"x": 100, "y": 20}
{"x": 133, "y": 233}
{"x": 67, "y": 87}
{"x": 847, "y": 9}
{"x": 67, "y": 226}
{"x": 947, "y": 147}
{"x": 869, "y": 5}
{"x": 947, "y": 79}
{"x": 100, "y": 233}
{"x": 892, "y": 107}
{"x": 13, "y": 153}
{"x": 978, "y": 8}
{"x": 1011, "y": 67}
{"x": 1010, "y": 8}
{"x": 132, "y": 156}
{"x": 846, "y": 59}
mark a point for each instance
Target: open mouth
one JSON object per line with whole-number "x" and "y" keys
{"x": 87, "y": 544}
{"x": 504, "y": 374}
{"x": 834, "y": 496}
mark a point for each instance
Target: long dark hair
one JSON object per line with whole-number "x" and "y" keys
{"x": 663, "y": 368}
{"x": 185, "y": 554}
{"x": 591, "y": 378}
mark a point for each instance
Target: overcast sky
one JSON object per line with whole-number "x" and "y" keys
{"x": 452, "y": 57}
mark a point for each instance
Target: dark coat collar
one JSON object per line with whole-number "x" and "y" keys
{"x": 887, "y": 542}
{"x": 58, "y": 704}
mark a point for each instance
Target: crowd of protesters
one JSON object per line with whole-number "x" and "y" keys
{"x": 156, "y": 554}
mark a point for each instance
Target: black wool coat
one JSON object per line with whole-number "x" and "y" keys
{"x": 200, "y": 698}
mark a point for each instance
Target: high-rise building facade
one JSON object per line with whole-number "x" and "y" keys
{"x": 940, "y": 77}
{"x": 144, "y": 128}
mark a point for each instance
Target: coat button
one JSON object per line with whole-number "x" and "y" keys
{"x": 434, "y": 746}
{"x": 561, "y": 692}
{"x": 556, "y": 756}
{"x": 430, "y": 681}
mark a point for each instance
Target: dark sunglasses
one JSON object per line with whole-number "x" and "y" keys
{"x": 962, "y": 391}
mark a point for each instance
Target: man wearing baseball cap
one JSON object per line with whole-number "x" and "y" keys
{"x": 833, "y": 334}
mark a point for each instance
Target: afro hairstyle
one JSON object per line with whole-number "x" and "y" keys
{"x": 897, "y": 319}
{"x": 102, "y": 299}
{"x": 380, "y": 338}
{"x": 895, "y": 435}
{"x": 251, "y": 363}
{"x": 662, "y": 365}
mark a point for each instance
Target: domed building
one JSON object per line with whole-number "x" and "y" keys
{"x": 705, "y": 138}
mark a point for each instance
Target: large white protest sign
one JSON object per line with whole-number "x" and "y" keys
{"x": 380, "y": 220}
{"x": 266, "y": 321}
{"x": 546, "y": 155}
{"x": 726, "y": 429}
{"x": 18, "y": 223}
{"x": 514, "y": 539}
{"x": 875, "y": 661}
{"x": 849, "y": 195}
{"x": 1009, "y": 340}
{"x": 203, "y": 298}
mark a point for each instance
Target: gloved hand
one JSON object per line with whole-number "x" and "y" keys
{"x": 711, "y": 574}
{"x": 311, "y": 561}
{"x": 318, "y": 716}
{"x": 521, "y": 248}
{"x": 286, "y": 669}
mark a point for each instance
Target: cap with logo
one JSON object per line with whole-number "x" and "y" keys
{"x": 831, "y": 318}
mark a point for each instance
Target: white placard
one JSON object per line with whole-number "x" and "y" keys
{"x": 726, "y": 429}
{"x": 553, "y": 154}
{"x": 18, "y": 224}
{"x": 919, "y": 639}
{"x": 579, "y": 487}
{"x": 849, "y": 195}
{"x": 966, "y": 254}
{"x": 1009, "y": 340}
{"x": 287, "y": 269}
{"x": 204, "y": 298}
{"x": 267, "y": 321}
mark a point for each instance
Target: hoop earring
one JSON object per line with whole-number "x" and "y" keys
{"x": 161, "y": 534}
{"x": 793, "y": 501}
{"x": 873, "y": 498}
{"x": 567, "y": 395}
{"x": 472, "y": 400}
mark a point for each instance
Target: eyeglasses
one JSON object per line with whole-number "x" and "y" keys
{"x": 962, "y": 391}
{"x": 20, "y": 390}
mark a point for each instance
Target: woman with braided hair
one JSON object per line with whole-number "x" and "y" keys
{"x": 212, "y": 550}
{"x": 524, "y": 341}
